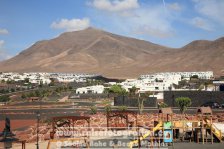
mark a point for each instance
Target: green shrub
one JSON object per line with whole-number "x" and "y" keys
{"x": 183, "y": 103}
{"x": 93, "y": 109}
{"x": 122, "y": 108}
{"x": 4, "y": 98}
{"x": 163, "y": 105}
{"x": 108, "y": 108}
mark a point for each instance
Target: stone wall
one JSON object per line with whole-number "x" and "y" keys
{"x": 98, "y": 122}
{"x": 198, "y": 97}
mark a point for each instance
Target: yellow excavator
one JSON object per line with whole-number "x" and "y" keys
{"x": 158, "y": 127}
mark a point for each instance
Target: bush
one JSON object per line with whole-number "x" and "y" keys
{"x": 194, "y": 77}
{"x": 23, "y": 96}
{"x": 122, "y": 108}
{"x": 93, "y": 109}
{"x": 163, "y": 105}
{"x": 4, "y": 98}
{"x": 183, "y": 103}
{"x": 108, "y": 108}
{"x": 12, "y": 90}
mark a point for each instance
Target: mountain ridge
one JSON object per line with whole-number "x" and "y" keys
{"x": 97, "y": 51}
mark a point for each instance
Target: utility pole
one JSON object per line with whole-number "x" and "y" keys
{"x": 38, "y": 120}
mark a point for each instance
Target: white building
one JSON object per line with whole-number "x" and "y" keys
{"x": 152, "y": 83}
{"x": 98, "y": 89}
{"x": 38, "y": 77}
{"x": 185, "y": 75}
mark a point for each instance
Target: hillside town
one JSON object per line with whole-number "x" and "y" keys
{"x": 156, "y": 83}
{"x": 44, "y": 78}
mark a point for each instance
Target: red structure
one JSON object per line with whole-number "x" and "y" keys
{"x": 68, "y": 124}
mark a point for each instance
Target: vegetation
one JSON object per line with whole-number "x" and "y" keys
{"x": 3, "y": 91}
{"x": 122, "y": 108}
{"x": 141, "y": 98}
{"x": 108, "y": 108}
{"x": 70, "y": 87}
{"x": 4, "y": 98}
{"x": 91, "y": 82}
{"x": 23, "y": 96}
{"x": 117, "y": 89}
{"x": 183, "y": 103}
{"x": 132, "y": 91}
{"x": 52, "y": 82}
{"x": 162, "y": 105}
{"x": 106, "y": 102}
{"x": 27, "y": 80}
{"x": 37, "y": 93}
{"x": 106, "y": 90}
{"x": 93, "y": 109}
{"x": 194, "y": 77}
{"x": 12, "y": 90}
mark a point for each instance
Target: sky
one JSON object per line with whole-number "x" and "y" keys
{"x": 172, "y": 23}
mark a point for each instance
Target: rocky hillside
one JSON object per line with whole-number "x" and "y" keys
{"x": 96, "y": 51}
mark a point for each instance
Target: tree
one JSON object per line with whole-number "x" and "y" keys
{"x": 31, "y": 94}
{"x": 106, "y": 90}
{"x": 23, "y": 96}
{"x": 27, "y": 80}
{"x": 206, "y": 85}
{"x": 41, "y": 84}
{"x": 58, "y": 90}
{"x": 70, "y": 87}
{"x": 117, "y": 89}
{"x": 9, "y": 81}
{"x": 133, "y": 90}
{"x": 2, "y": 91}
{"x": 183, "y": 103}
{"x": 37, "y": 93}
{"x": 52, "y": 82}
{"x": 141, "y": 98}
{"x": 12, "y": 90}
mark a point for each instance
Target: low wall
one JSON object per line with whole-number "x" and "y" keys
{"x": 133, "y": 102}
{"x": 91, "y": 96}
{"x": 198, "y": 97}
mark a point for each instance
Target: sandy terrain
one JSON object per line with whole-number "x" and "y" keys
{"x": 16, "y": 124}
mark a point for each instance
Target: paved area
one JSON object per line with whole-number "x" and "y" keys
{"x": 187, "y": 145}
{"x": 122, "y": 144}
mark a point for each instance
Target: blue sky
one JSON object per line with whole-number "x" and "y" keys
{"x": 172, "y": 23}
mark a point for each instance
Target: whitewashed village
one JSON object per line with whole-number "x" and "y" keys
{"x": 157, "y": 82}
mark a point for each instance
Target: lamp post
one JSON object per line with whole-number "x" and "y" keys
{"x": 38, "y": 120}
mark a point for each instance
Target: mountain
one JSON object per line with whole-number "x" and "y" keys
{"x": 97, "y": 51}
